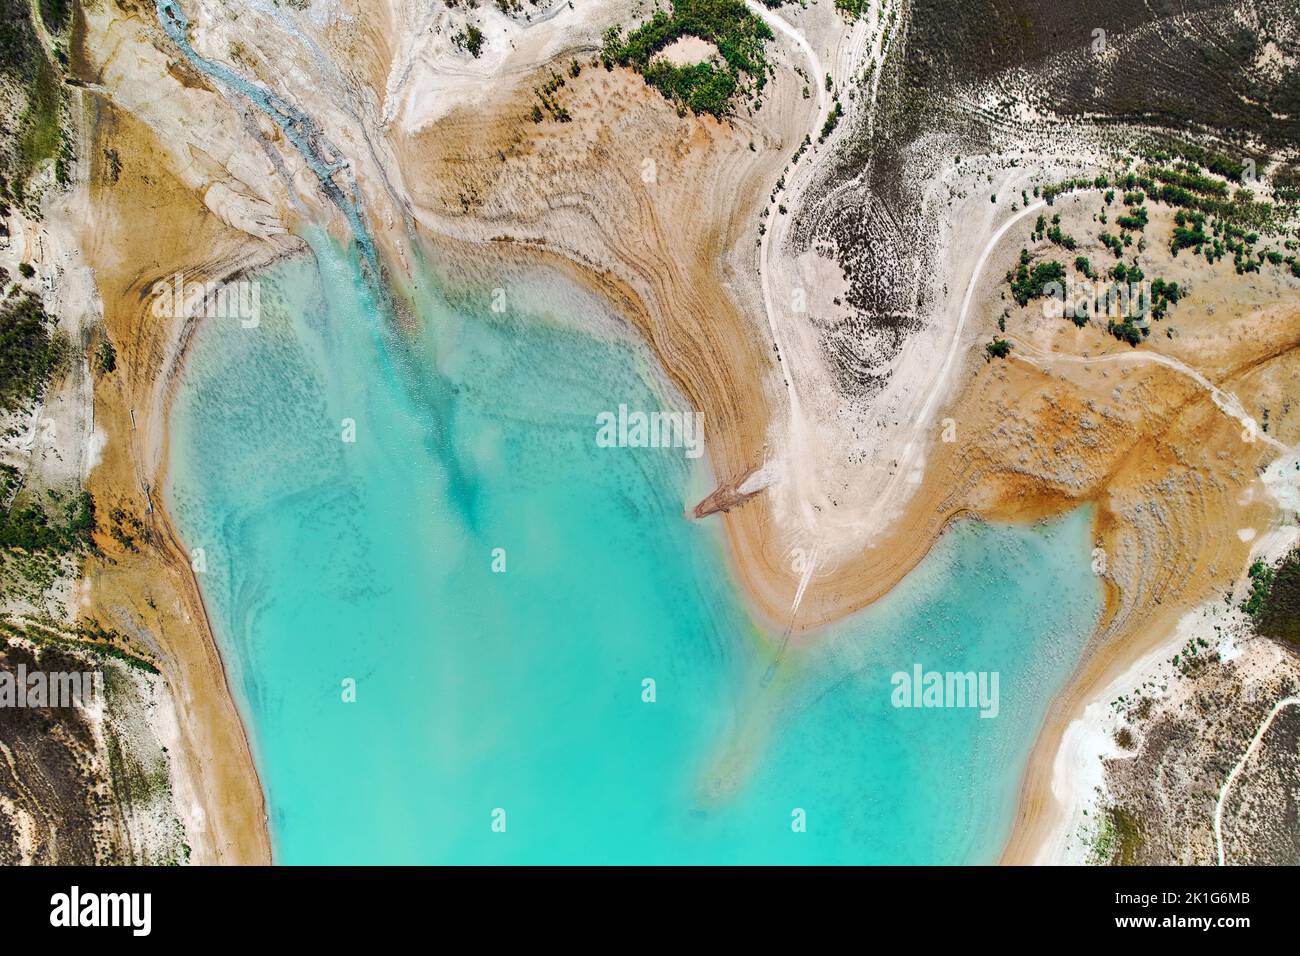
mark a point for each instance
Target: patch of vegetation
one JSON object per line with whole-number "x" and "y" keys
{"x": 34, "y": 135}
{"x": 1209, "y": 218}
{"x": 29, "y": 575}
{"x": 1122, "y": 273}
{"x": 1213, "y": 160}
{"x": 1029, "y": 283}
{"x": 998, "y": 348}
{"x": 701, "y": 87}
{"x": 1189, "y": 230}
{"x": 90, "y": 636}
{"x": 1058, "y": 237}
{"x": 106, "y": 357}
{"x": 32, "y": 528}
{"x": 1119, "y": 839}
{"x": 1274, "y": 600}
{"x": 128, "y": 530}
{"x": 1184, "y": 187}
{"x": 1286, "y": 184}
{"x": 57, "y": 14}
{"x": 1163, "y": 295}
{"x": 469, "y": 39}
{"x": 117, "y": 653}
{"x": 1191, "y": 659}
{"x": 18, "y": 42}
{"x": 40, "y": 138}
{"x": 1189, "y": 180}
{"x": 1126, "y": 330}
{"x": 850, "y": 8}
{"x": 1261, "y": 579}
{"x": 29, "y": 353}
{"x": 1136, "y": 220}
{"x": 547, "y": 100}
{"x": 1052, "y": 190}
{"x": 1112, "y": 242}
{"x": 832, "y": 120}
{"x": 11, "y": 480}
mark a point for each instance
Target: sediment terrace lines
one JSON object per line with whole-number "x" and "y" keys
{"x": 1227, "y": 784}
{"x": 1227, "y": 402}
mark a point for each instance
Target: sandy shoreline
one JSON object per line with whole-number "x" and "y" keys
{"x": 748, "y": 530}
{"x": 227, "y": 816}
{"x": 948, "y": 492}
{"x": 145, "y": 227}
{"x": 1042, "y": 824}
{"x": 1064, "y": 764}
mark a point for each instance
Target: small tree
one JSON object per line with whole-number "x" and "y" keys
{"x": 998, "y": 348}
{"x": 106, "y": 356}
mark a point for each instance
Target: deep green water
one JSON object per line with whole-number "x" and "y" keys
{"x": 372, "y": 560}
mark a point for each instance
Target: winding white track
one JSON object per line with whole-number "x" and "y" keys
{"x": 823, "y": 108}
{"x": 1224, "y": 400}
{"x": 795, "y": 426}
{"x": 955, "y": 346}
{"x": 922, "y": 421}
{"x": 1227, "y": 402}
{"x": 1227, "y": 784}
{"x": 794, "y": 430}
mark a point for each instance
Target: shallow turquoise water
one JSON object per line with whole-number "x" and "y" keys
{"x": 372, "y": 560}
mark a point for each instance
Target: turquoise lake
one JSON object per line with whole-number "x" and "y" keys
{"x": 371, "y": 561}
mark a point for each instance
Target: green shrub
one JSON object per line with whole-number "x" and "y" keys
{"x": 106, "y": 356}
{"x": 28, "y": 352}
{"x": 1029, "y": 283}
{"x": 1274, "y": 600}
{"x": 701, "y": 87}
{"x": 29, "y": 527}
